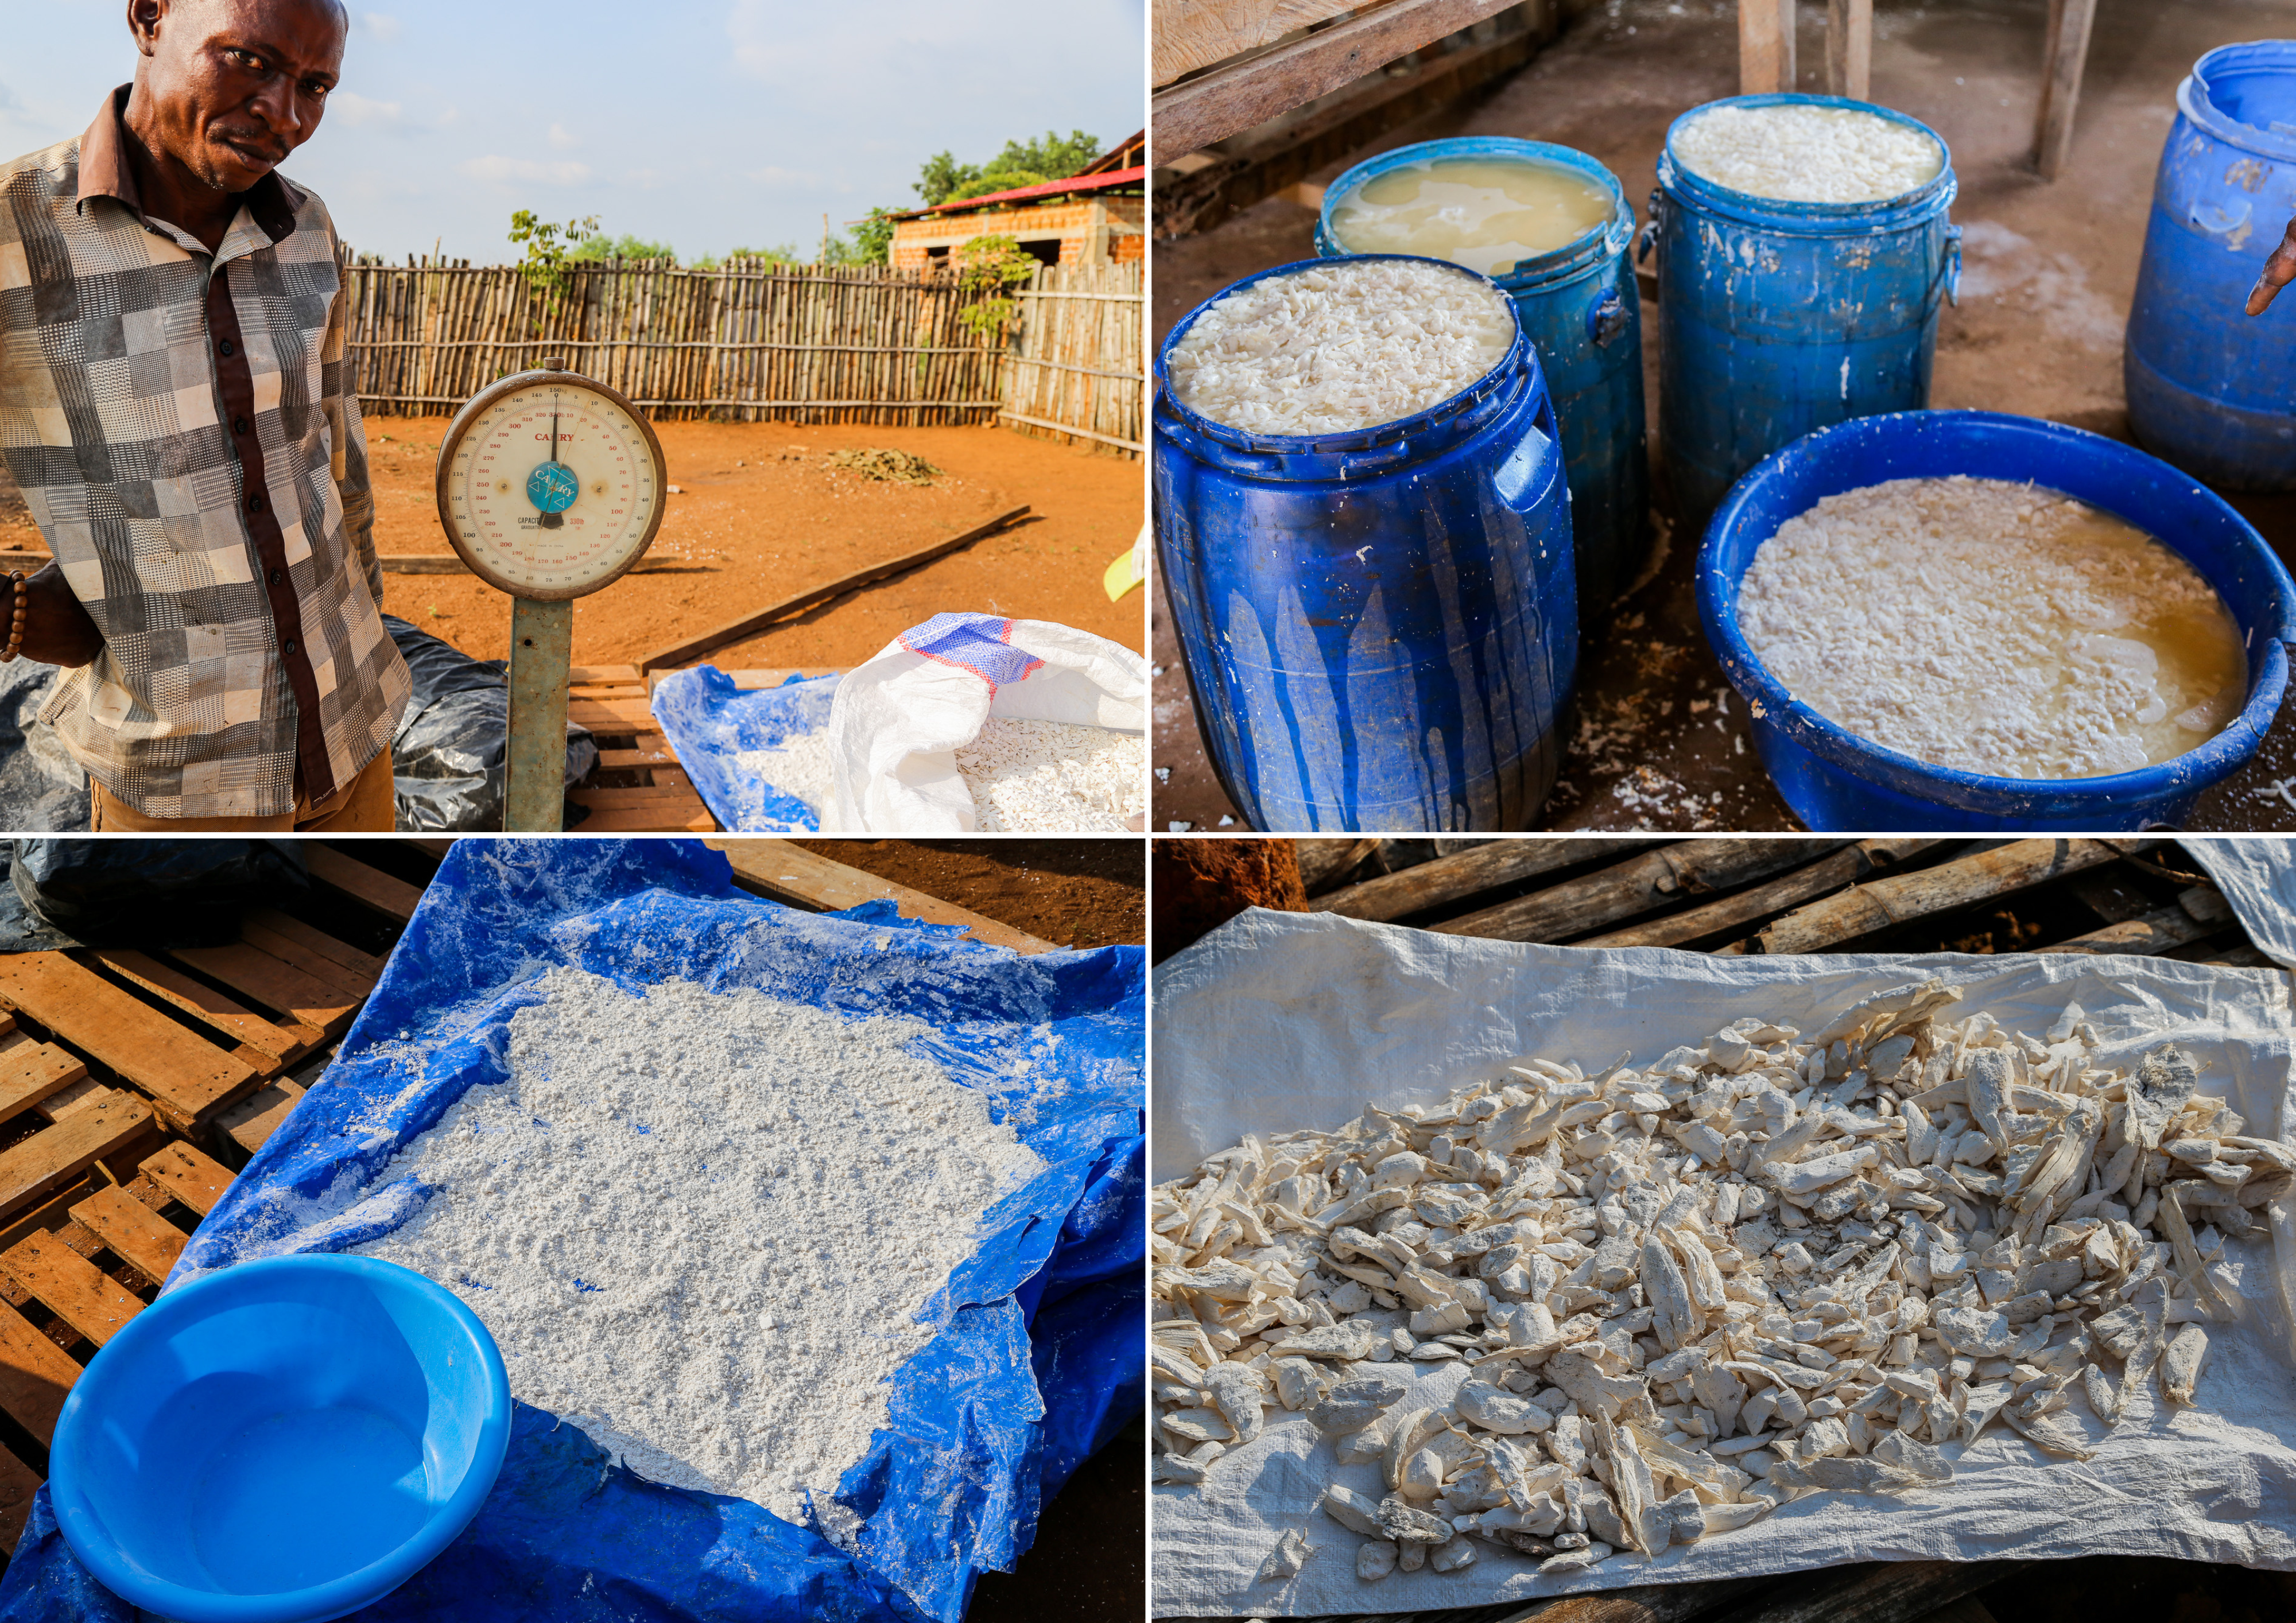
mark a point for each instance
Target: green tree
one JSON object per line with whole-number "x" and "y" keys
{"x": 548, "y": 246}
{"x": 1021, "y": 163}
{"x": 873, "y": 238}
{"x": 623, "y": 247}
{"x": 991, "y": 266}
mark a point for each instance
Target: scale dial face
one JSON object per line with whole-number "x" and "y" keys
{"x": 550, "y": 485}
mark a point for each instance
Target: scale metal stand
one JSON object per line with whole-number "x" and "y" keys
{"x": 550, "y": 487}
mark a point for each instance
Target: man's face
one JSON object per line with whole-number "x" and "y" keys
{"x": 237, "y": 84}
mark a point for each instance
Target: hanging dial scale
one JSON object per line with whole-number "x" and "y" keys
{"x": 550, "y": 485}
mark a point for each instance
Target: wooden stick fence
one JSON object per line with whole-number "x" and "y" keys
{"x": 1079, "y": 369}
{"x": 751, "y": 341}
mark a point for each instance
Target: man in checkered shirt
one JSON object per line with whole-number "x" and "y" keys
{"x": 176, "y": 404}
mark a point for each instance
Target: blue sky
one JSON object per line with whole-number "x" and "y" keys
{"x": 707, "y": 124}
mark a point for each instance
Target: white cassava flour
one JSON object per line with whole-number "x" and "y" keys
{"x": 1026, "y": 777}
{"x": 1995, "y": 627}
{"x": 801, "y": 768}
{"x": 702, "y": 1226}
{"x": 1346, "y": 344}
{"x": 1805, "y": 154}
{"x": 1049, "y": 777}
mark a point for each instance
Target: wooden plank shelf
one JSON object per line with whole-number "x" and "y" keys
{"x": 129, "y": 1068}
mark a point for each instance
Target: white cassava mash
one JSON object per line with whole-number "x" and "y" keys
{"x": 1805, "y": 154}
{"x": 702, "y": 1226}
{"x": 1993, "y": 627}
{"x": 1347, "y": 345}
{"x": 1026, "y": 777}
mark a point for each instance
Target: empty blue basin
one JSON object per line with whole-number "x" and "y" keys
{"x": 283, "y": 1442}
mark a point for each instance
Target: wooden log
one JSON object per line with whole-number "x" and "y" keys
{"x": 1766, "y": 46}
{"x": 2066, "y": 53}
{"x": 788, "y": 872}
{"x": 371, "y": 887}
{"x": 748, "y": 625}
{"x": 190, "y": 1177}
{"x": 1465, "y": 873}
{"x": 204, "y": 1003}
{"x": 68, "y": 1286}
{"x": 250, "y": 1123}
{"x": 1250, "y": 170}
{"x": 186, "y": 1075}
{"x": 1192, "y": 34}
{"x": 1850, "y": 49}
{"x": 1864, "y": 909}
{"x": 1641, "y": 1603}
{"x": 1324, "y": 862}
{"x": 1235, "y": 97}
{"x": 1670, "y": 874}
{"x": 2199, "y": 913}
{"x": 306, "y": 1000}
{"x": 645, "y": 821}
{"x": 18, "y": 1483}
{"x": 1889, "y": 1592}
{"x": 1859, "y": 862}
{"x": 32, "y": 1072}
{"x": 35, "y": 1377}
{"x": 139, "y": 1236}
{"x": 53, "y": 1156}
{"x": 298, "y": 943}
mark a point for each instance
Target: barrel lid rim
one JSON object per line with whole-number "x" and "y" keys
{"x": 1932, "y": 196}
{"x": 1342, "y": 441}
{"x": 2206, "y": 763}
{"x": 1556, "y": 267}
{"x": 2193, "y": 101}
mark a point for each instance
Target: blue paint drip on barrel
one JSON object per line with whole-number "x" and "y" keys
{"x": 2210, "y": 389}
{"x": 1778, "y": 318}
{"x": 1381, "y": 626}
{"x": 1580, "y": 309}
{"x": 1838, "y": 782}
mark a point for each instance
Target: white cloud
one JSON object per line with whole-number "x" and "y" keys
{"x": 384, "y": 28}
{"x": 352, "y": 108}
{"x": 562, "y": 138}
{"x": 529, "y": 171}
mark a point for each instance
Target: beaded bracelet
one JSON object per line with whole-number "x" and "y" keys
{"x": 16, "y": 625}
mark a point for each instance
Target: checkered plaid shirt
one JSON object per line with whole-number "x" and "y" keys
{"x": 184, "y": 428}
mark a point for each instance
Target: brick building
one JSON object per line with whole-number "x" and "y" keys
{"x": 1095, "y": 217}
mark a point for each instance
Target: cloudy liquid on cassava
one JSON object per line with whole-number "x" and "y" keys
{"x": 1477, "y": 212}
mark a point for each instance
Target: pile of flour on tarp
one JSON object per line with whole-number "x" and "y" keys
{"x": 706, "y": 1228}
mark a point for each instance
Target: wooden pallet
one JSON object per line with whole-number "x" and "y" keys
{"x": 640, "y": 787}
{"x": 1731, "y": 897}
{"x": 127, "y": 1080}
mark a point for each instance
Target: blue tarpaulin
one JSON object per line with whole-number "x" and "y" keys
{"x": 708, "y": 721}
{"x": 1038, "y": 1360}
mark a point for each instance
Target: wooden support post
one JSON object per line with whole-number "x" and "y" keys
{"x": 1766, "y": 46}
{"x": 1850, "y": 49}
{"x": 2069, "y": 22}
{"x": 541, "y": 648}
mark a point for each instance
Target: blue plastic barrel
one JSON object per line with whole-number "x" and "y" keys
{"x": 2209, "y": 388}
{"x": 1582, "y": 314}
{"x": 1777, "y": 318}
{"x": 1836, "y": 782}
{"x": 1381, "y": 626}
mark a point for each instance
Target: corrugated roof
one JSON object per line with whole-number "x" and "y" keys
{"x": 1050, "y": 188}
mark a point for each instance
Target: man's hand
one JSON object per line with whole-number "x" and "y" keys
{"x": 2279, "y": 271}
{"x": 57, "y": 629}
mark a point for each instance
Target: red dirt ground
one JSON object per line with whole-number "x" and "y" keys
{"x": 761, "y": 517}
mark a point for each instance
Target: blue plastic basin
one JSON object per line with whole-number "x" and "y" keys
{"x": 1837, "y": 782}
{"x": 283, "y": 1442}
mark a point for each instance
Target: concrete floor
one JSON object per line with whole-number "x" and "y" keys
{"x": 2050, "y": 270}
